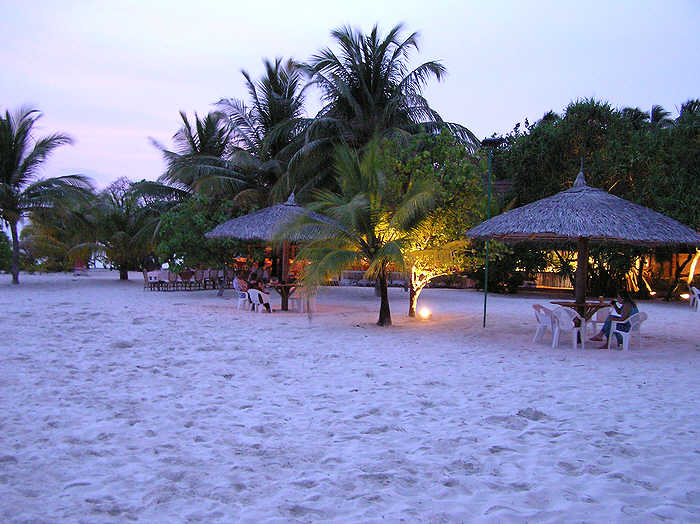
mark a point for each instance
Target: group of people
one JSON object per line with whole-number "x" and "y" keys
{"x": 241, "y": 285}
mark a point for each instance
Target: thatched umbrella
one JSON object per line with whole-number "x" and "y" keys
{"x": 586, "y": 214}
{"x": 265, "y": 225}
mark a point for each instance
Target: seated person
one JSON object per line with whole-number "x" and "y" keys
{"x": 253, "y": 273}
{"x": 265, "y": 276}
{"x": 239, "y": 284}
{"x": 625, "y": 309}
{"x": 256, "y": 284}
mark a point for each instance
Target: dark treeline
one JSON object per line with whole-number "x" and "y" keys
{"x": 648, "y": 158}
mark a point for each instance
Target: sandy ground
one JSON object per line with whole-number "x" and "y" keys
{"x": 119, "y": 405}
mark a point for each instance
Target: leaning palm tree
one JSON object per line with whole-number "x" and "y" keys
{"x": 369, "y": 90}
{"x": 21, "y": 157}
{"x": 365, "y": 223}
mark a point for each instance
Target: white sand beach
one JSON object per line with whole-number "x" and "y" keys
{"x": 124, "y": 405}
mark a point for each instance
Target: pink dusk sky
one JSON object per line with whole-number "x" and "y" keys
{"x": 113, "y": 74}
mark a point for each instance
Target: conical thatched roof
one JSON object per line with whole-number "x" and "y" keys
{"x": 264, "y": 224}
{"x": 586, "y": 212}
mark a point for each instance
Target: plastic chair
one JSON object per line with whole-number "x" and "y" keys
{"x": 564, "y": 320}
{"x": 694, "y": 298}
{"x": 256, "y": 299}
{"x": 163, "y": 280}
{"x": 243, "y": 300}
{"x": 301, "y": 302}
{"x": 599, "y": 317}
{"x": 174, "y": 280}
{"x": 544, "y": 320}
{"x": 635, "y": 324}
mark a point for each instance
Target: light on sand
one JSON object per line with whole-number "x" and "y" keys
{"x": 425, "y": 313}
{"x": 685, "y": 296}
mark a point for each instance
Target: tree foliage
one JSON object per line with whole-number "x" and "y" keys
{"x": 650, "y": 159}
{"x": 181, "y": 242}
{"x": 366, "y": 222}
{"x": 21, "y": 158}
{"x": 5, "y": 252}
{"x": 437, "y": 246}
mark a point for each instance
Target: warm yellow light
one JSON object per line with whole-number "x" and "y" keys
{"x": 652, "y": 293}
{"x": 425, "y": 313}
{"x": 685, "y": 296}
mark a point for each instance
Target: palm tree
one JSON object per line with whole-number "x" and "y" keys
{"x": 268, "y": 130}
{"x": 659, "y": 117}
{"x": 369, "y": 90}
{"x": 200, "y": 147}
{"x": 20, "y": 159}
{"x": 52, "y": 234}
{"x": 123, "y": 227}
{"x": 365, "y": 223}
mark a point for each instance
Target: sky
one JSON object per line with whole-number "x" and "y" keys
{"x": 114, "y": 74}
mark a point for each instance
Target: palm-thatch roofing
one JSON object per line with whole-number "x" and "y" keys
{"x": 267, "y": 224}
{"x": 586, "y": 212}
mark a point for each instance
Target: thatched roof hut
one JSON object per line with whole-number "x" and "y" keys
{"x": 266, "y": 224}
{"x": 587, "y": 212}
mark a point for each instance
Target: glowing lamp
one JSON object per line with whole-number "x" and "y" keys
{"x": 652, "y": 293}
{"x": 425, "y": 313}
{"x": 685, "y": 296}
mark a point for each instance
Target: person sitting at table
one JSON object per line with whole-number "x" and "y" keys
{"x": 257, "y": 284}
{"x": 239, "y": 284}
{"x": 253, "y": 273}
{"x": 624, "y": 310}
{"x": 265, "y": 275}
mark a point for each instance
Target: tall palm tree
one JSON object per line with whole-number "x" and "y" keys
{"x": 21, "y": 158}
{"x": 369, "y": 90}
{"x": 268, "y": 130}
{"x": 365, "y": 224}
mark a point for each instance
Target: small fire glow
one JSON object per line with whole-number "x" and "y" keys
{"x": 425, "y": 313}
{"x": 685, "y": 296}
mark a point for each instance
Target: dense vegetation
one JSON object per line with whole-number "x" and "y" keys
{"x": 647, "y": 158}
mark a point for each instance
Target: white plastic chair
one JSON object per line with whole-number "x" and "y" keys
{"x": 564, "y": 321}
{"x": 544, "y": 320}
{"x": 258, "y": 299}
{"x": 694, "y": 298}
{"x": 301, "y": 303}
{"x": 243, "y": 300}
{"x": 635, "y": 323}
{"x": 599, "y": 317}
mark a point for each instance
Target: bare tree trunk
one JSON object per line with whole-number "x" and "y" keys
{"x": 384, "y": 312}
{"x": 123, "y": 272}
{"x": 15, "y": 253}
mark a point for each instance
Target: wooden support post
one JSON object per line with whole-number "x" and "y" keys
{"x": 581, "y": 271}
{"x": 285, "y": 274}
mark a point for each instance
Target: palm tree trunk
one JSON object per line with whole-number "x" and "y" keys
{"x": 384, "y": 312}
{"x": 15, "y": 253}
{"x": 123, "y": 272}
